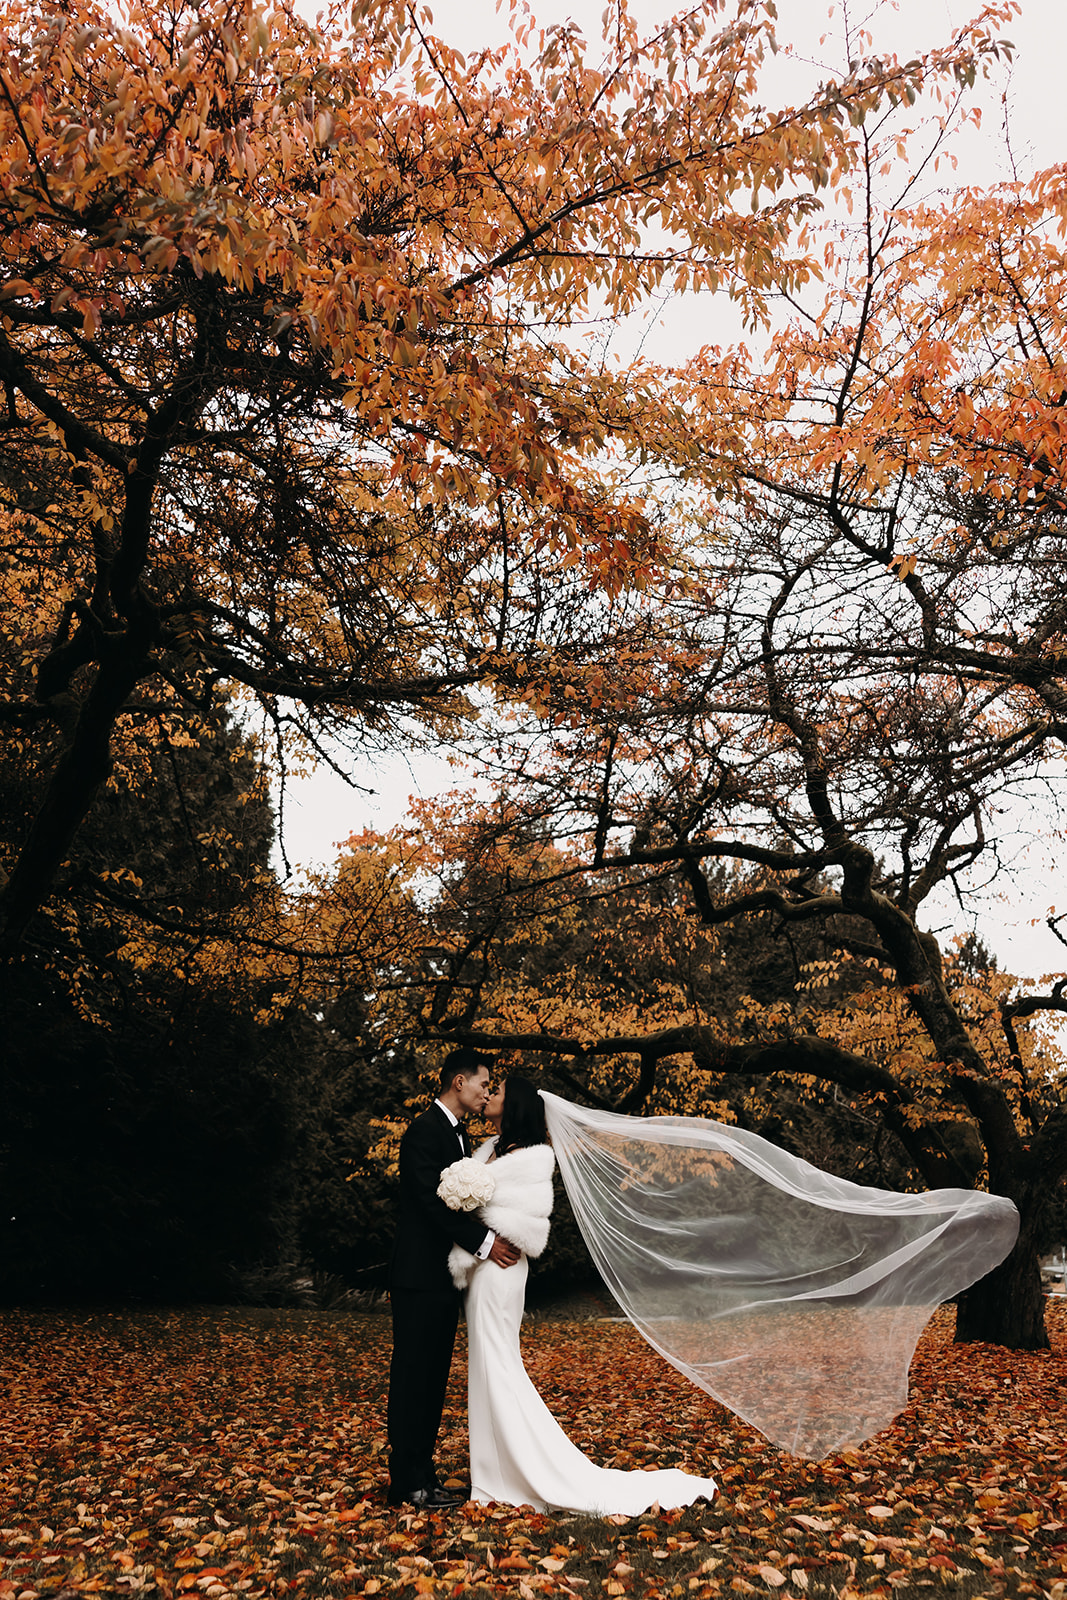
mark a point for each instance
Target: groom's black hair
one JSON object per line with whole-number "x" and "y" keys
{"x": 463, "y": 1060}
{"x": 523, "y": 1121}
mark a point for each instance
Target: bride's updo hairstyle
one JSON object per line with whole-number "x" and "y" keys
{"x": 523, "y": 1120}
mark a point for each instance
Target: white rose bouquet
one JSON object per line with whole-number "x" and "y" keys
{"x": 466, "y": 1185}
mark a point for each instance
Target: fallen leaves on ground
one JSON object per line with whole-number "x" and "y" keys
{"x": 243, "y": 1453}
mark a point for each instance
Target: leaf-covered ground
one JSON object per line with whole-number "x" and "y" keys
{"x": 243, "y": 1453}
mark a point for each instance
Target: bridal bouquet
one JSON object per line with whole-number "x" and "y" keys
{"x": 466, "y": 1185}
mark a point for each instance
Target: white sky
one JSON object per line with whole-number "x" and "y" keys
{"x": 1027, "y": 103}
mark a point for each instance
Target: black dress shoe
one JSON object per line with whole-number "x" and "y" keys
{"x": 436, "y": 1498}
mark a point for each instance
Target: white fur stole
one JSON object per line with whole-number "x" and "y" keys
{"x": 520, "y": 1207}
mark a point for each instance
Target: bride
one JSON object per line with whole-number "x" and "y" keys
{"x": 519, "y": 1453}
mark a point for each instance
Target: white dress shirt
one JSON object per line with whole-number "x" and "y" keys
{"x": 486, "y": 1245}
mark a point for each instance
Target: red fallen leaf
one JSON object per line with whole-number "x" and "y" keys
{"x": 943, "y": 1561}
{"x": 514, "y": 1564}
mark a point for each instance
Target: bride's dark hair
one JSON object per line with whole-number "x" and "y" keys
{"x": 523, "y": 1120}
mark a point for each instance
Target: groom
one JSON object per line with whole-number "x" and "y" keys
{"x": 425, "y": 1303}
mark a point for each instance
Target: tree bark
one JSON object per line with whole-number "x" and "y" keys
{"x": 1007, "y": 1306}
{"x": 81, "y": 769}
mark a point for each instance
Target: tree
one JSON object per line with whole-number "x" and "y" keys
{"x": 287, "y": 416}
{"x": 863, "y": 666}
{"x": 291, "y": 416}
{"x": 153, "y": 1099}
{"x": 181, "y": 1116}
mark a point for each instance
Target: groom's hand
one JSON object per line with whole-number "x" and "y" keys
{"x": 503, "y": 1252}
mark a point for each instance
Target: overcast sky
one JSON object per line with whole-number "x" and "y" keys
{"x": 814, "y": 34}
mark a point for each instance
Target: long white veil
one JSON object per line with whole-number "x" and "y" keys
{"x": 794, "y": 1297}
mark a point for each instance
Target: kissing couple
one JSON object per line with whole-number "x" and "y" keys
{"x": 792, "y": 1296}
{"x": 448, "y": 1245}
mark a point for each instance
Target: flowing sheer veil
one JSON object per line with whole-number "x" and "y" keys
{"x": 794, "y": 1297}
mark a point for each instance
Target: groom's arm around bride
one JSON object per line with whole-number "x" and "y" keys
{"x": 425, "y": 1302}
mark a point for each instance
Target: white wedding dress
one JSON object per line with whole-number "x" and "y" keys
{"x": 519, "y": 1453}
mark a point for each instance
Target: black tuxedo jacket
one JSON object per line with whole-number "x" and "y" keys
{"x": 426, "y": 1228}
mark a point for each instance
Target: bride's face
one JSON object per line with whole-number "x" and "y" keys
{"x": 494, "y": 1107}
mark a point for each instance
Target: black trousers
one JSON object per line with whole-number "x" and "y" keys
{"x": 424, "y": 1333}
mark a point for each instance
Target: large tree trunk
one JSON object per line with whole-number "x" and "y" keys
{"x": 81, "y": 769}
{"x": 1007, "y": 1306}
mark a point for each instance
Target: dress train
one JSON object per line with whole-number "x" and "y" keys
{"x": 519, "y": 1453}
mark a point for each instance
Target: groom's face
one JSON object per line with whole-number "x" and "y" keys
{"x": 473, "y": 1091}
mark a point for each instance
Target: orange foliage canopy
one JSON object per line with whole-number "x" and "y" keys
{"x": 288, "y": 406}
